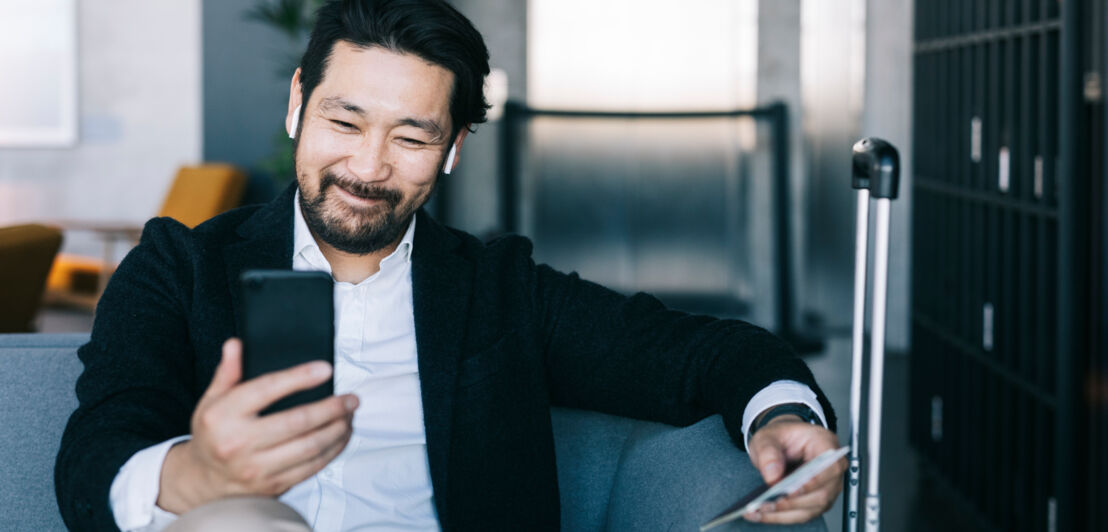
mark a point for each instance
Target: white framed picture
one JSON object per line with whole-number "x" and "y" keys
{"x": 38, "y": 56}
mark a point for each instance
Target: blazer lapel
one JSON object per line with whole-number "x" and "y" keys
{"x": 266, "y": 244}
{"x": 441, "y": 290}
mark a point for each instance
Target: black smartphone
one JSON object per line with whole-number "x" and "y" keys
{"x": 288, "y": 319}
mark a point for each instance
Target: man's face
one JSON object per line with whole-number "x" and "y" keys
{"x": 372, "y": 143}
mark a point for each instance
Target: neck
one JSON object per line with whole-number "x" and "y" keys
{"x": 353, "y": 268}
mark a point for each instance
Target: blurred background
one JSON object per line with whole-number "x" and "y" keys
{"x": 697, "y": 150}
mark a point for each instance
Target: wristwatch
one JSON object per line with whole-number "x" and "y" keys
{"x": 797, "y": 409}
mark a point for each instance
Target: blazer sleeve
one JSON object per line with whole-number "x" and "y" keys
{"x": 137, "y": 385}
{"x": 633, "y": 357}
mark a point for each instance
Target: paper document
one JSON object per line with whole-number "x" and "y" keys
{"x": 783, "y": 487}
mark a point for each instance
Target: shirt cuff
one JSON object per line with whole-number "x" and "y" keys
{"x": 779, "y": 393}
{"x": 134, "y": 492}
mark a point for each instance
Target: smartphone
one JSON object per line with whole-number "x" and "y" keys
{"x": 288, "y": 319}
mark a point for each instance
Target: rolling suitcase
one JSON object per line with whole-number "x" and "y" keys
{"x": 876, "y": 177}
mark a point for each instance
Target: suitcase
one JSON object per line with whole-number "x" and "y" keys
{"x": 876, "y": 177}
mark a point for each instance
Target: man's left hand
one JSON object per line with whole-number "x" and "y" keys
{"x": 785, "y": 440}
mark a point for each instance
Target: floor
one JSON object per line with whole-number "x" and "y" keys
{"x": 908, "y": 503}
{"x": 910, "y": 498}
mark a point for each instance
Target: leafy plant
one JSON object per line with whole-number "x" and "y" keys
{"x": 287, "y": 16}
{"x": 294, "y": 19}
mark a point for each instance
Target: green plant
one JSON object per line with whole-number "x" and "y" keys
{"x": 293, "y": 19}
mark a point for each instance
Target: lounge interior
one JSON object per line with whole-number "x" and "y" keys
{"x": 700, "y": 151}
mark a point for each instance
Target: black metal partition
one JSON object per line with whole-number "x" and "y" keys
{"x": 1006, "y": 141}
{"x": 515, "y": 143}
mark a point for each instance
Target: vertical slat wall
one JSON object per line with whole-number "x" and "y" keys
{"x": 1098, "y": 367}
{"x": 984, "y": 398}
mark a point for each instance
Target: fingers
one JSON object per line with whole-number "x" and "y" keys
{"x": 818, "y": 497}
{"x": 306, "y": 449}
{"x": 768, "y": 456}
{"x": 295, "y": 422}
{"x": 783, "y": 517}
{"x": 830, "y": 478}
{"x": 256, "y": 394}
{"x": 297, "y": 473}
{"x": 798, "y": 507}
{"x": 778, "y": 443}
{"x": 229, "y": 371}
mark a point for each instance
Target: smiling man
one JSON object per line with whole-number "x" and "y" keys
{"x": 449, "y": 352}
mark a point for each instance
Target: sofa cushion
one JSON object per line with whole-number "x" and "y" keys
{"x": 587, "y": 447}
{"x": 679, "y": 478}
{"x": 37, "y": 376}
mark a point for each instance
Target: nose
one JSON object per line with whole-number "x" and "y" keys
{"x": 369, "y": 160}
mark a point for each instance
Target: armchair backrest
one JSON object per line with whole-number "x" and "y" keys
{"x": 201, "y": 192}
{"x": 26, "y": 253}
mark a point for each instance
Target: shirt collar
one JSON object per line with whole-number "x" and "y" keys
{"x": 303, "y": 243}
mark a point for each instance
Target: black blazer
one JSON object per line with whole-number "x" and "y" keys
{"x": 499, "y": 338}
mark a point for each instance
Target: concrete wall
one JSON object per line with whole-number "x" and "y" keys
{"x": 779, "y": 80}
{"x": 139, "y": 119}
{"x": 833, "y": 74}
{"x": 888, "y": 114}
{"x": 857, "y": 67}
{"x": 246, "y": 90}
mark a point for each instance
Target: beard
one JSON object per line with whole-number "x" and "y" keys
{"x": 352, "y": 229}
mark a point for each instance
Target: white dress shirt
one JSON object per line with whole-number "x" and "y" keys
{"x": 381, "y": 480}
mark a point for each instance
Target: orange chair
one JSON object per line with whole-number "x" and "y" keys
{"x": 26, "y": 253}
{"x": 198, "y": 193}
{"x": 201, "y": 192}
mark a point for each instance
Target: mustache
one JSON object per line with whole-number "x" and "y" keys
{"x": 360, "y": 188}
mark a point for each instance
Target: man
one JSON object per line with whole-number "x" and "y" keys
{"x": 449, "y": 352}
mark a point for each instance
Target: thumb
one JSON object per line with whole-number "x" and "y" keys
{"x": 768, "y": 456}
{"x": 229, "y": 371}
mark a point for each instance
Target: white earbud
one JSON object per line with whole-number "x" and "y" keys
{"x": 449, "y": 166}
{"x": 295, "y": 122}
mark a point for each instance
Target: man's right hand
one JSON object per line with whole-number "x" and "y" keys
{"x": 234, "y": 451}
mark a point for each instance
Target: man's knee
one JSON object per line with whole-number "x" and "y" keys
{"x": 241, "y": 514}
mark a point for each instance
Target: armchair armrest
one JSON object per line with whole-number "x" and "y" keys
{"x": 621, "y": 474}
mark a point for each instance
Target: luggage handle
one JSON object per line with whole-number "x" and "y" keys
{"x": 876, "y": 175}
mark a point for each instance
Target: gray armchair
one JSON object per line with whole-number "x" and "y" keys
{"x": 613, "y": 473}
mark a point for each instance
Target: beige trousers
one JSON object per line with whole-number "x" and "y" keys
{"x": 241, "y": 514}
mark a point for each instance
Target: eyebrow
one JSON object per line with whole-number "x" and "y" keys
{"x": 428, "y": 125}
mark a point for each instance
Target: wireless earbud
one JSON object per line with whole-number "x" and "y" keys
{"x": 296, "y": 122}
{"x": 446, "y": 169}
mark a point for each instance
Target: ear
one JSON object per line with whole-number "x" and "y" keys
{"x": 292, "y": 118}
{"x": 455, "y": 153}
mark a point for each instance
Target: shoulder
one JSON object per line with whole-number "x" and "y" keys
{"x": 434, "y": 238}
{"x": 224, "y": 227}
{"x": 495, "y": 253}
{"x": 168, "y": 235}
{"x": 507, "y": 246}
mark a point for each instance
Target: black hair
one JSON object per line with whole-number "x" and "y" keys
{"x": 430, "y": 29}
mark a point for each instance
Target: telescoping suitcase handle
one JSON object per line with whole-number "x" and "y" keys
{"x": 876, "y": 174}
{"x": 876, "y": 167}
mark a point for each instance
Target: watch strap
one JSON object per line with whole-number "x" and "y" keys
{"x": 798, "y": 409}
